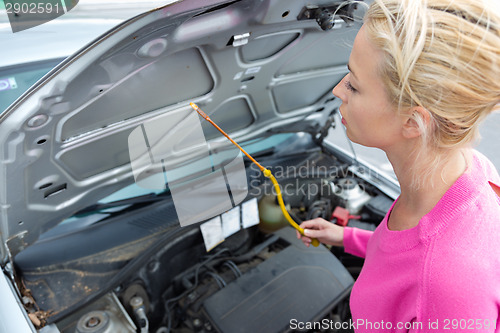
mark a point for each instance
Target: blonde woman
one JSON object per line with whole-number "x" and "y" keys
{"x": 423, "y": 74}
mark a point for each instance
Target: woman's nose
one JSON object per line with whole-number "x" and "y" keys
{"x": 339, "y": 90}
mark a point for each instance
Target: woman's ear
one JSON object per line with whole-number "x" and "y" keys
{"x": 416, "y": 122}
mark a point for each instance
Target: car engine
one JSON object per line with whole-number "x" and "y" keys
{"x": 162, "y": 279}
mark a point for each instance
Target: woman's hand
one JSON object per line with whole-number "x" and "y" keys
{"x": 326, "y": 232}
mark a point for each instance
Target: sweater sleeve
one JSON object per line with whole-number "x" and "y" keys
{"x": 356, "y": 241}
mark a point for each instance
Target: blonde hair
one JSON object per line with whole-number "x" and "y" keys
{"x": 442, "y": 55}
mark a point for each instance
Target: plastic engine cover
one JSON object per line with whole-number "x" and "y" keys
{"x": 297, "y": 283}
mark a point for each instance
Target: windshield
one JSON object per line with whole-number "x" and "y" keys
{"x": 15, "y": 80}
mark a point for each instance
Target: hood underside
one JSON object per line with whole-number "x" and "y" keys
{"x": 255, "y": 67}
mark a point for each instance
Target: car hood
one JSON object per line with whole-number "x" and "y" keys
{"x": 256, "y": 67}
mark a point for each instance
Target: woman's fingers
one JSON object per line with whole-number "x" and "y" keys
{"x": 306, "y": 240}
{"x": 324, "y": 231}
{"x": 314, "y": 233}
{"x": 317, "y": 223}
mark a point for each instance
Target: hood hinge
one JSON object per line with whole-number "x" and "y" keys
{"x": 13, "y": 246}
{"x": 325, "y": 16}
{"x": 323, "y": 132}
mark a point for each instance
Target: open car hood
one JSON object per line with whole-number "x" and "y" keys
{"x": 256, "y": 67}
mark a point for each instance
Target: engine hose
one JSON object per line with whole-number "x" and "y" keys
{"x": 218, "y": 279}
{"x": 232, "y": 266}
{"x": 267, "y": 173}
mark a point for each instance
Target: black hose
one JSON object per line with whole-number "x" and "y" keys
{"x": 220, "y": 281}
{"x": 256, "y": 249}
{"x": 195, "y": 284}
{"x": 232, "y": 266}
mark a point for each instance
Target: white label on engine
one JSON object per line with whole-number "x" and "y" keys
{"x": 212, "y": 233}
{"x": 250, "y": 213}
{"x": 231, "y": 221}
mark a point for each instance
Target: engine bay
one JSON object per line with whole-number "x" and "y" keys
{"x": 259, "y": 291}
{"x": 257, "y": 280}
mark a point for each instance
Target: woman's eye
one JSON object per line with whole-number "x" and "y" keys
{"x": 349, "y": 86}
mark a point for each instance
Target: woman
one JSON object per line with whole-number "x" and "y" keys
{"x": 423, "y": 74}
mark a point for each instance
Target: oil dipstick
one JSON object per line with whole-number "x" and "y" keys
{"x": 265, "y": 171}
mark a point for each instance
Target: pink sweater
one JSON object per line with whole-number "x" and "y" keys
{"x": 442, "y": 275}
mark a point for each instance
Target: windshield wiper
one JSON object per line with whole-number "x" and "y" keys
{"x": 147, "y": 198}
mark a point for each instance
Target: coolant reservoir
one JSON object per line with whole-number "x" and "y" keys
{"x": 352, "y": 194}
{"x": 270, "y": 214}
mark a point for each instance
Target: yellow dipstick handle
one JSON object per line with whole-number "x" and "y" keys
{"x": 267, "y": 173}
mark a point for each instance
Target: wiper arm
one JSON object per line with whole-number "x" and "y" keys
{"x": 147, "y": 198}
{"x": 262, "y": 153}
